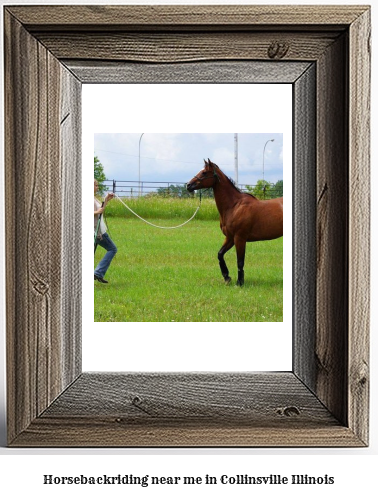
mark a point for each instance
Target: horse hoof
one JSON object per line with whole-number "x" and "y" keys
{"x": 227, "y": 280}
{"x": 239, "y": 283}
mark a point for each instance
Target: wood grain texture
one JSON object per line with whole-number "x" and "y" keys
{"x": 304, "y": 228}
{"x": 185, "y": 16}
{"x": 71, "y": 265}
{"x": 193, "y": 409}
{"x": 199, "y": 72}
{"x": 33, "y": 194}
{"x": 332, "y": 230}
{"x": 100, "y": 432}
{"x": 180, "y": 47}
{"x": 324, "y": 402}
{"x": 359, "y": 226}
{"x": 244, "y": 397}
{"x": 33, "y": 234}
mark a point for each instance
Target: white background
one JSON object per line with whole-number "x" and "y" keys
{"x": 187, "y": 346}
{"x": 354, "y": 469}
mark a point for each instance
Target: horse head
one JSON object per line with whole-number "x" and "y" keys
{"x": 205, "y": 178}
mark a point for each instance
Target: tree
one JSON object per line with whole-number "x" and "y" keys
{"x": 173, "y": 191}
{"x": 278, "y": 189}
{"x": 262, "y": 190}
{"x": 99, "y": 175}
{"x": 180, "y": 191}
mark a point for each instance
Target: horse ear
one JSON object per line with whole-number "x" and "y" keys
{"x": 209, "y": 161}
{"x": 205, "y": 162}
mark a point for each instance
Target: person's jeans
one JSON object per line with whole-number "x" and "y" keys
{"x": 111, "y": 250}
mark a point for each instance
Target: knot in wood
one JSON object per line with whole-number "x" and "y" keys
{"x": 361, "y": 375}
{"x": 288, "y": 411}
{"x": 278, "y": 50}
{"x": 140, "y": 404}
{"x": 41, "y": 287}
{"x": 136, "y": 400}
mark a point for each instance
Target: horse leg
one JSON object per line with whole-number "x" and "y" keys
{"x": 222, "y": 264}
{"x": 240, "y": 255}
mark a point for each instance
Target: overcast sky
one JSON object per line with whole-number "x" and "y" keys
{"x": 178, "y": 157}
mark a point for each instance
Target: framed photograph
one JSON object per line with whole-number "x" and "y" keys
{"x": 323, "y": 52}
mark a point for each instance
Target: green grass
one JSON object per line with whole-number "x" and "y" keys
{"x": 173, "y": 275}
{"x": 164, "y": 208}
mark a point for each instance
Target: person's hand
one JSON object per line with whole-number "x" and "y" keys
{"x": 109, "y": 196}
{"x": 100, "y": 211}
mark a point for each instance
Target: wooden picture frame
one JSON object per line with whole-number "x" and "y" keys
{"x": 324, "y": 51}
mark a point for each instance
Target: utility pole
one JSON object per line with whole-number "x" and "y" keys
{"x": 269, "y": 140}
{"x": 140, "y": 138}
{"x": 236, "y": 159}
{"x": 264, "y": 186}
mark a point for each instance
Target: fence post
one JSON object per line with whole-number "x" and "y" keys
{"x": 114, "y": 186}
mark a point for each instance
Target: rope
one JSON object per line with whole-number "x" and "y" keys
{"x": 154, "y": 225}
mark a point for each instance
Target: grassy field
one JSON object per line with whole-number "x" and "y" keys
{"x": 173, "y": 275}
{"x": 174, "y": 209}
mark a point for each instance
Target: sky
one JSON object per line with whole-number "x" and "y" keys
{"x": 177, "y": 157}
{"x": 182, "y": 125}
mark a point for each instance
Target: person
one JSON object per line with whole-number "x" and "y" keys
{"x": 103, "y": 239}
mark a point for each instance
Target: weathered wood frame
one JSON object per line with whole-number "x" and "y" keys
{"x": 49, "y": 53}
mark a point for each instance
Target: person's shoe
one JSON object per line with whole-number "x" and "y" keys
{"x": 101, "y": 280}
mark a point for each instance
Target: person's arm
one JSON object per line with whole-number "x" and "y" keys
{"x": 99, "y": 211}
{"x": 108, "y": 197}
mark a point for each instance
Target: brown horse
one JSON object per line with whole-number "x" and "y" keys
{"x": 242, "y": 216}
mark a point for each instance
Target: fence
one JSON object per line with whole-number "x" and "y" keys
{"x": 132, "y": 189}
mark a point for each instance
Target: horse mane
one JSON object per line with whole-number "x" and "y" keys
{"x": 233, "y": 183}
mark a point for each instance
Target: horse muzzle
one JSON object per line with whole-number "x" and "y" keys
{"x": 191, "y": 186}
